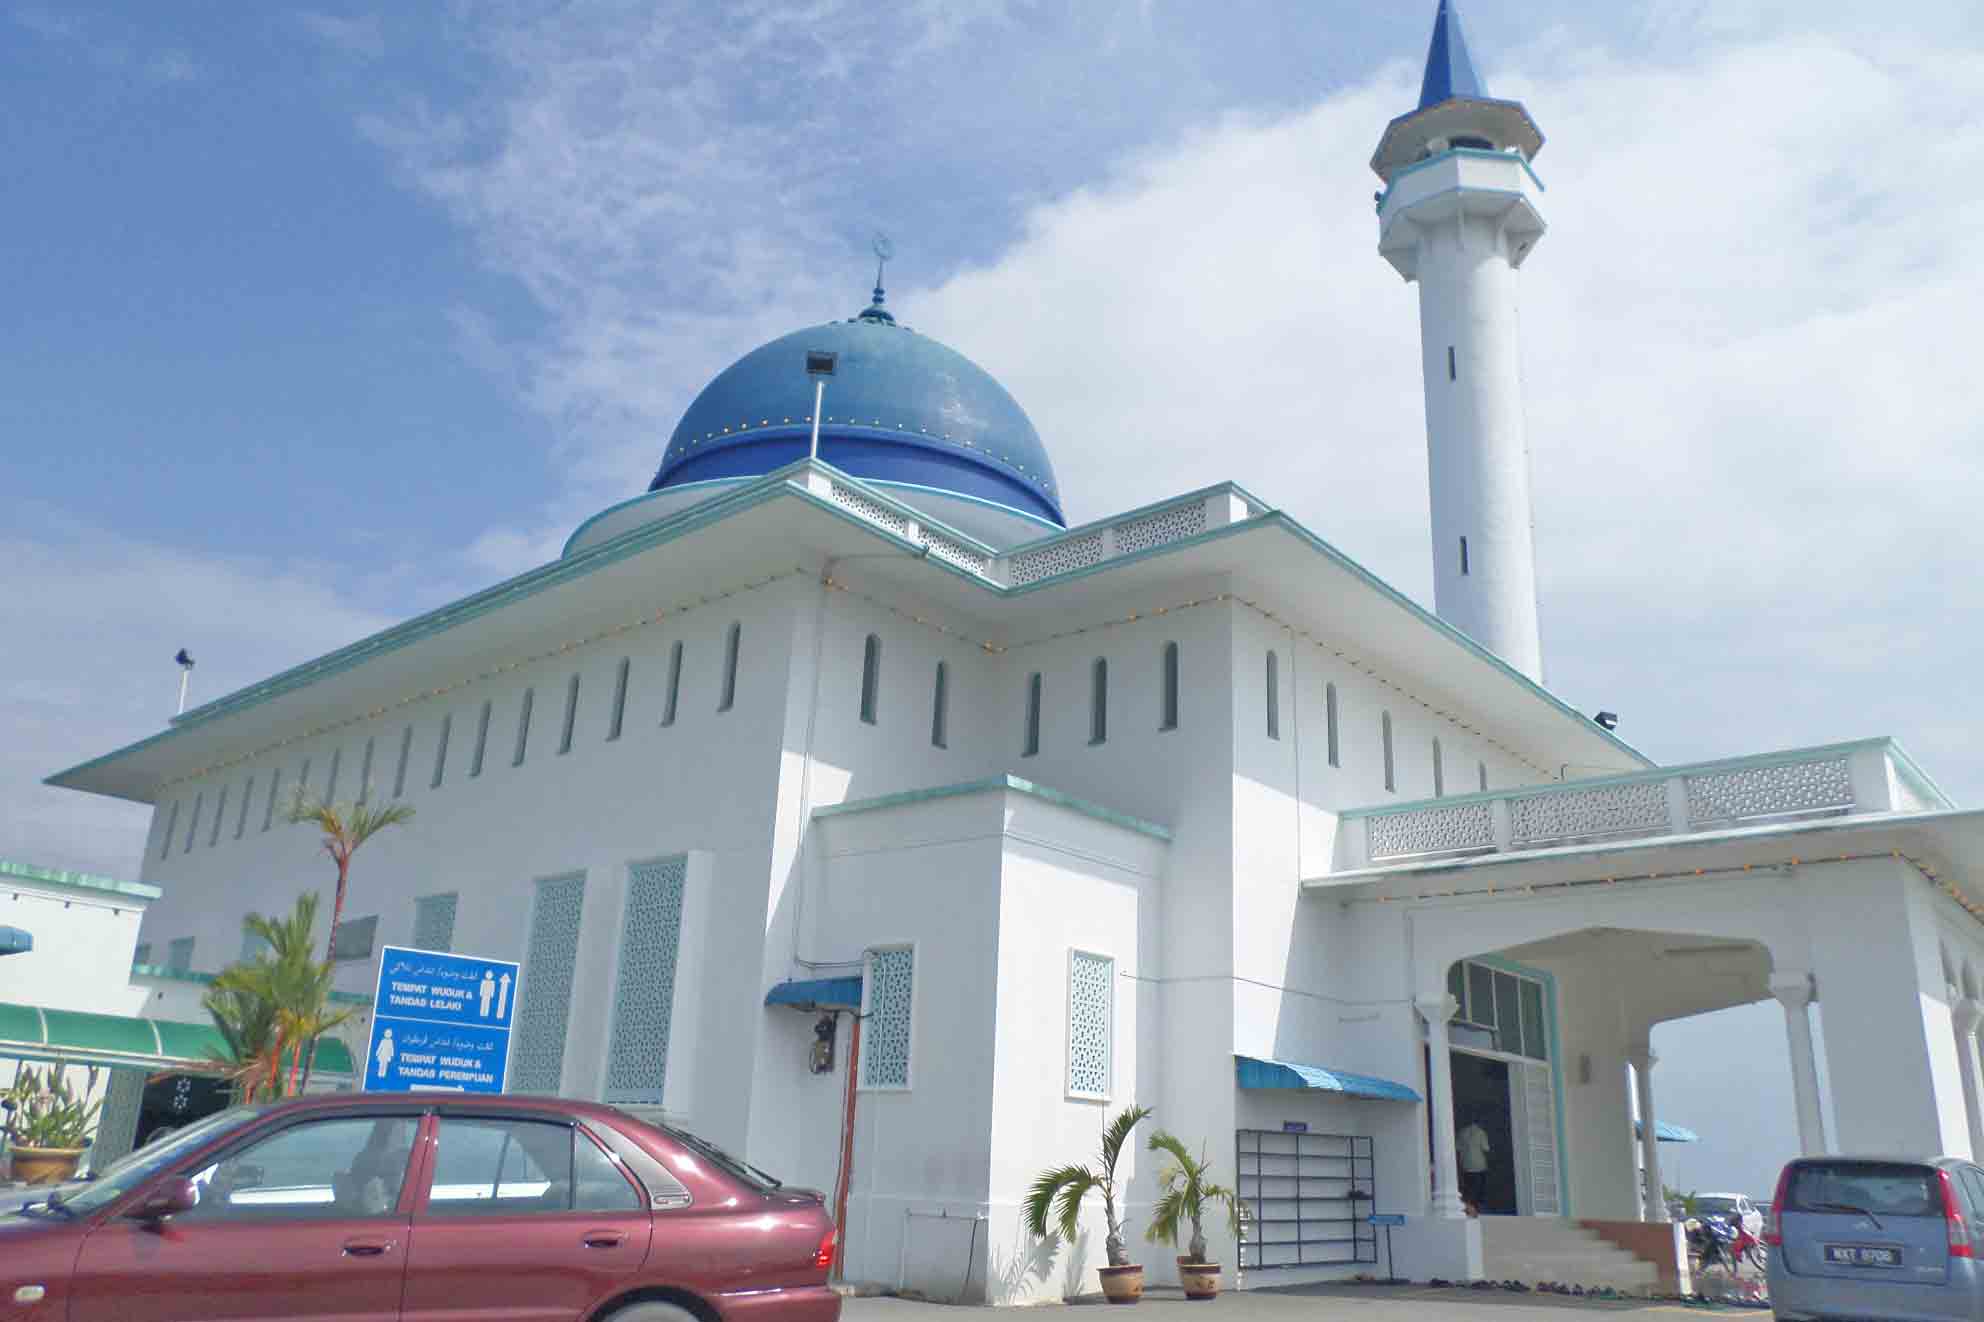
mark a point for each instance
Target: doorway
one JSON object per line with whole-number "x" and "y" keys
{"x": 1482, "y": 1099}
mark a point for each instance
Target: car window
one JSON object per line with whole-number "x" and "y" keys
{"x": 1715, "y": 1206}
{"x": 352, "y": 1166}
{"x": 1972, "y": 1181}
{"x": 502, "y": 1167}
{"x": 1881, "y": 1187}
{"x": 128, "y": 1172}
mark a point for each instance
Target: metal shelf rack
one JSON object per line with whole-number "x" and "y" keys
{"x": 1296, "y": 1195}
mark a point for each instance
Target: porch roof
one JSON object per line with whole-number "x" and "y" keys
{"x": 817, "y": 993}
{"x": 1666, "y": 1133}
{"x": 75, "y": 1037}
{"x": 1260, "y": 1072}
{"x": 13, "y": 941}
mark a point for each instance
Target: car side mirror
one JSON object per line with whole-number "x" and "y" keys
{"x": 168, "y": 1199}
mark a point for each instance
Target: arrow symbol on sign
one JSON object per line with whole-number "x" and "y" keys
{"x": 502, "y": 994}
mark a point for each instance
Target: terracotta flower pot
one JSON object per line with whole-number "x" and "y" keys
{"x": 1200, "y": 1279}
{"x": 1122, "y": 1285}
{"x": 45, "y": 1165}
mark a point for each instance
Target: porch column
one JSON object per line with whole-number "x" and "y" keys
{"x": 1793, "y": 990}
{"x": 1965, "y": 1014}
{"x": 1437, "y": 1011}
{"x": 1653, "y": 1205}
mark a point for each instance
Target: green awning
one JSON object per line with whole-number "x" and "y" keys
{"x": 29, "y": 1032}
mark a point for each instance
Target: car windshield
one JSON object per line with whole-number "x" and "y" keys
{"x": 1715, "y": 1206}
{"x": 128, "y": 1172}
{"x": 1881, "y": 1187}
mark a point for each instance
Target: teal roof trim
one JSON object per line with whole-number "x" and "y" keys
{"x": 661, "y": 531}
{"x": 994, "y": 784}
{"x": 1261, "y": 1072}
{"x": 79, "y": 881}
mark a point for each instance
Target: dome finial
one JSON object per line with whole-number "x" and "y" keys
{"x": 883, "y": 250}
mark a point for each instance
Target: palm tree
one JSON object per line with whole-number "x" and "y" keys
{"x": 1062, "y": 1188}
{"x": 343, "y": 827}
{"x": 1186, "y": 1192}
{"x": 277, "y": 1004}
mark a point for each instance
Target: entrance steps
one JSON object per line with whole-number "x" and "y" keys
{"x": 1537, "y": 1248}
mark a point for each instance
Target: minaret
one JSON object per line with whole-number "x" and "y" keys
{"x": 1458, "y": 215}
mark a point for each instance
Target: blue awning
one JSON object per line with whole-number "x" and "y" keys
{"x": 1255, "y": 1072}
{"x": 13, "y": 941}
{"x": 818, "y": 994}
{"x": 1666, "y": 1133}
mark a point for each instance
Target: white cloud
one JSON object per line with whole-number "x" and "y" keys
{"x": 96, "y": 631}
{"x": 357, "y": 37}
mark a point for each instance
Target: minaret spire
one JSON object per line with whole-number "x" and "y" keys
{"x": 1449, "y": 71}
{"x": 1458, "y": 217}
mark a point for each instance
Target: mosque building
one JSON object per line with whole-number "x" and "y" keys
{"x": 843, "y": 805}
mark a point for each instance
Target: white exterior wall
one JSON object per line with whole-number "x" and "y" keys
{"x": 1477, "y": 449}
{"x": 82, "y": 947}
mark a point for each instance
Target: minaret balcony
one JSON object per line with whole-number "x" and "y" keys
{"x": 1494, "y": 186}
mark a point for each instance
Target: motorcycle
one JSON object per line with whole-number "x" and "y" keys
{"x": 1713, "y": 1241}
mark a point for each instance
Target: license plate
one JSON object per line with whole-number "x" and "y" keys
{"x": 1862, "y": 1255}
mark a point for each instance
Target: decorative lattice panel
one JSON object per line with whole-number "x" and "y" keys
{"x": 1430, "y": 831}
{"x": 537, "y": 1059}
{"x": 117, "y": 1123}
{"x": 872, "y": 510}
{"x": 885, "y": 1041}
{"x": 1060, "y": 558}
{"x": 1156, "y": 529}
{"x": 644, "y": 992}
{"x": 1607, "y": 810}
{"x": 434, "y": 921}
{"x": 1769, "y": 791}
{"x": 957, "y": 553}
{"x": 1091, "y": 992}
{"x": 1540, "y": 1124}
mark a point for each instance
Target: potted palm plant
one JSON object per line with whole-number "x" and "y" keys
{"x": 48, "y": 1123}
{"x": 1059, "y": 1191}
{"x": 1186, "y": 1195}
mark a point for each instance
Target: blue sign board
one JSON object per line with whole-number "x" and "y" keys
{"x": 440, "y": 1022}
{"x": 1386, "y": 1218}
{"x": 1295, "y": 1126}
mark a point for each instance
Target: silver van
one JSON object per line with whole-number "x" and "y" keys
{"x": 1877, "y": 1238}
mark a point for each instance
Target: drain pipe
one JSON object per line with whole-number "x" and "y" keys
{"x": 846, "y": 1180}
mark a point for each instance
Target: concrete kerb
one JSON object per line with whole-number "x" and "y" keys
{"x": 1410, "y": 1302}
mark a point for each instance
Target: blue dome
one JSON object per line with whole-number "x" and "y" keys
{"x": 901, "y": 408}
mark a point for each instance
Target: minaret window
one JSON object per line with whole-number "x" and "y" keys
{"x": 1463, "y": 557}
{"x": 674, "y": 683}
{"x": 1385, "y": 729}
{"x": 619, "y": 699}
{"x": 1168, "y": 717}
{"x": 220, "y": 814}
{"x": 1329, "y": 720}
{"x": 730, "y": 645}
{"x": 241, "y": 818}
{"x": 523, "y": 728}
{"x": 365, "y": 774}
{"x": 1439, "y": 773}
{"x": 399, "y": 769}
{"x": 1482, "y": 767}
{"x": 1274, "y": 696}
{"x": 171, "y": 825}
{"x": 331, "y": 781}
{"x": 871, "y": 678}
{"x": 481, "y": 739}
{"x": 441, "y": 751}
{"x": 1453, "y": 368}
{"x": 275, "y": 787}
{"x": 1032, "y": 744}
{"x": 939, "y": 708}
{"x": 1098, "y": 702}
{"x": 571, "y": 715}
{"x": 193, "y": 827}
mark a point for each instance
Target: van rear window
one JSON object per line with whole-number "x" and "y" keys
{"x": 1885, "y": 1188}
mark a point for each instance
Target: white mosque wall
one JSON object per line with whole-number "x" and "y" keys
{"x": 83, "y": 940}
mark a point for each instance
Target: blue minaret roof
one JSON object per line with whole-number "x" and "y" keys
{"x": 1449, "y": 71}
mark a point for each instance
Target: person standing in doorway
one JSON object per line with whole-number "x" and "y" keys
{"x": 1472, "y": 1147}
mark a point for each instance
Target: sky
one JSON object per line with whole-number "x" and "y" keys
{"x": 321, "y": 317}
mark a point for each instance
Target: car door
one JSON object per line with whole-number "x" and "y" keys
{"x": 525, "y": 1217}
{"x": 308, "y": 1221}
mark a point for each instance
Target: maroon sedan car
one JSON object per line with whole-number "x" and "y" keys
{"x": 428, "y": 1208}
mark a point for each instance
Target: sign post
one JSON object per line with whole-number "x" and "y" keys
{"x": 1388, "y": 1220}
{"x": 440, "y": 1022}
